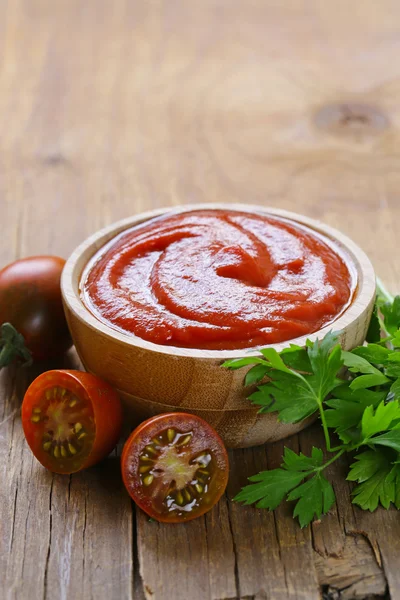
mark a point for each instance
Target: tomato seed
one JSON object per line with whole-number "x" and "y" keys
{"x": 37, "y": 410}
{"x": 46, "y": 446}
{"x": 179, "y": 498}
{"x": 145, "y": 458}
{"x": 171, "y": 434}
{"x": 73, "y": 402}
{"x": 192, "y": 490}
{"x": 82, "y": 435}
{"x": 185, "y": 440}
{"x": 56, "y": 452}
{"x": 199, "y": 488}
{"x": 78, "y": 427}
{"x": 202, "y": 471}
{"x": 188, "y": 497}
{"x": 64, "y": 453}
{"x": 151, "y": 450}
{"x": 148, "y": 479}
{"x": 35, "y": 419}
{"x": 145, "y": 469}
{"x": 72, "y": 449}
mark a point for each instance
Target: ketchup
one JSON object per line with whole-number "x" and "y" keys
{"x": 217, "y": 279}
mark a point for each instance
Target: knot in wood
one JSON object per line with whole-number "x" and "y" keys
{"x": 351, "y": 119}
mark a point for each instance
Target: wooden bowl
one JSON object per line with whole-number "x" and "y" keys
{"x": 153, "y": 378}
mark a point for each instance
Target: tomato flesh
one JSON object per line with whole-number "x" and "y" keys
{"x": 175, "y": 467}
{"x": 63, "y": 416}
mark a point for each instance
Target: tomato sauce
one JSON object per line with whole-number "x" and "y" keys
{"x": 217, "y": 279}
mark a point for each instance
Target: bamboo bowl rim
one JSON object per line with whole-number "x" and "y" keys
{"x": 76, "y": 263}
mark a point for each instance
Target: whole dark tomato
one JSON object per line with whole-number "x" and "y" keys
{"x": 71, "y": 420}
{"x": 175, "y": 467}
{"x": 30, "y": 300}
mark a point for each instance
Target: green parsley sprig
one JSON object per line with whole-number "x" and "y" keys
{"x": 361, "y": 405}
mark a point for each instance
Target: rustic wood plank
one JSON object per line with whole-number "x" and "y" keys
{"x": 109, "y": 108}
{"x": 345, "y": 562}
{"x": 60, "y": 536}
{"x": 274, "y": 557}
{"x": 194, "y": 560}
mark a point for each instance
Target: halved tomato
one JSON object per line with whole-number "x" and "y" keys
{"x": 71, "y": 419}
{"x": 175, "y": 467}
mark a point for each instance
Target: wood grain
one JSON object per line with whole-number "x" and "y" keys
{"x": 108, "y": 109}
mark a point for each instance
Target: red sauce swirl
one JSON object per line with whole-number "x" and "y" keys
{"x": 217, "y": 279}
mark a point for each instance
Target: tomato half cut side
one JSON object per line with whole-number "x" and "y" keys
{"x": 175, "y": 467}
{"x": 71, "y": 420}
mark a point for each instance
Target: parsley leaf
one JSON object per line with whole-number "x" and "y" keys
{"x": 275, "y": 361}
{"x": 373, "y": 353}
{"x": 347, "y": 407}
{"x": 391, "y": 439}
{"x": 366, "y": 465}
{"x": 256, "y": 374}
{"x": 279, "y": 395}
{"x": 396, "y": 476}
{"x": 376, "y": 420}
{"x": 315, "y": 497}
{"x": 373, "y": 470}
{"x": 296, "y": 358}
{"x": 326, "y": 360}
{"x": 358, "y": 364}
{"x": 392, "y": 370}
{"x": 300, "y": 462}
{"x": 395, "y": 389}
{"x": 308, "y": 389}
{"x": 368, "y": 381}
{"x": 238, "y": 363}
{"x": 374, "y": 329}
{"x": 391, "y": 315}
{"x": 268, "y": 488}
{"x": 371, "y": 375}
{"x": 396, "y": 339}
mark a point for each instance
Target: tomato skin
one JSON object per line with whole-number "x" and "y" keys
{"x": 30, "y": 299}
{"x": 144, "y": 433}
{"x": 105, "y": 405}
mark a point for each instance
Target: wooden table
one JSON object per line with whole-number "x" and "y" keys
{"x": 108, "y": 108}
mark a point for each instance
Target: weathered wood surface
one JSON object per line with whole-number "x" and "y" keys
{"x": 111, "y": 108}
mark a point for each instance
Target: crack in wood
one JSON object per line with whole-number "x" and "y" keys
{"x": 46, "y": 568}
{"x": 350, "y": 592}
{"x": 13, "y": 519}
{"x": 374, "y": 545}
{"x": 280, "y": 552}
{"x": 236, "y": 567}
{"x": 84, "y": 540}
{"x": 69, "y": 487}
{"x": 138, "y": 586}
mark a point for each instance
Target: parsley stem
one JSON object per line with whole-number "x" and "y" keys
{"x": 382, "y": 292}
{"x": 330, "y": 461}
{"x": 336, "y": 448}
{"x": 325, "y": 428}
